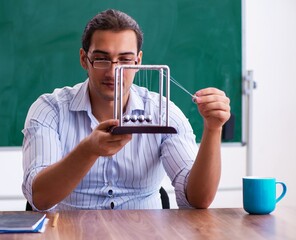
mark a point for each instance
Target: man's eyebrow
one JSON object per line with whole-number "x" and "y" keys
{"x": 100, "y": 51}
{"x": 107, "y": 53}
{"x": 127, "y": 53}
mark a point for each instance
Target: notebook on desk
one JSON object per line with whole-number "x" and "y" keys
{"x": 22, "y": 222}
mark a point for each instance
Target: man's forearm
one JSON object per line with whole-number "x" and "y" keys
{"x": 205, "y": 174}
{"x": 57, "y": 181}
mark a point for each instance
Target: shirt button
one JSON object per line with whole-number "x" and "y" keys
{"x": 112, "y": 205}
{"x": 110, "y": 193}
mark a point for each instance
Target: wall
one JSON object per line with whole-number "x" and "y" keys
{"x": 11, "y": 197}
{"x": 271, "y": 54}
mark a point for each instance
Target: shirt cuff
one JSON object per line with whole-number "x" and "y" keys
{"x": 180, "y": 189}
{"x": 27, "y": 190}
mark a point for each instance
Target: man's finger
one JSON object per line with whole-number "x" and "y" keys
{"x": 106, "y": 125}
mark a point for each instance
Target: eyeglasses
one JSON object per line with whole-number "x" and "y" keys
{"x": 106, "y": 64}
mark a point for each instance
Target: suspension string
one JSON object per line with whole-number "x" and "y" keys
{"x": 182, "y": 88}
{"x": 146, "y": 80}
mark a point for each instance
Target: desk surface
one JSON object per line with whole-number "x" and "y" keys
{"x": 220, "y": 223}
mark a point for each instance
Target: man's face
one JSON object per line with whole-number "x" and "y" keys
{"x": 113, "y": 46}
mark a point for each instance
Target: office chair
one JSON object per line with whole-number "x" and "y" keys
{"x": 28, "y": 207}
{"x": 165, "y": 201}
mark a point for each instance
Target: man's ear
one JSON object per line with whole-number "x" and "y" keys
{"x": 140, "y": 55}
{"x": 83, "y": 59}
{"x": 139, "y": 59}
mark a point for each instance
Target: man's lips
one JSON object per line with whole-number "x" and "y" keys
{"x": 109, "y": 84}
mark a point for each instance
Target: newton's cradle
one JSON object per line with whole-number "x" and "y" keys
{"x": 142, "y": 123}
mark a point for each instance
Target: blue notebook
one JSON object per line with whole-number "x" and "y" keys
{"x": 22, "y": 222}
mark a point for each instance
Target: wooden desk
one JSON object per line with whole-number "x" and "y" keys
{"x": 168, "y": 224}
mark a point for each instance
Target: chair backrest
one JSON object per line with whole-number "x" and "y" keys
{"x": 28, "y": 207}
{"x": 165, "y": 200}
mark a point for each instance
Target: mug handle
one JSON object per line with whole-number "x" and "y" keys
{"x": 283, "y": 192}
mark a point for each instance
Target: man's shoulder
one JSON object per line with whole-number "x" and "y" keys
{"x": 60, "y": 100}
{"x": 65, "y": 93}
{"x": 56, "y": 104}
{"x": 62, "y": 95}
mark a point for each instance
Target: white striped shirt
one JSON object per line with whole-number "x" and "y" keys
{"x": 131, "y": 178}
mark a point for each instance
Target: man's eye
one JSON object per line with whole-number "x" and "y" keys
{"x": 125, "y": 60}
{"x": 100, "y": 59}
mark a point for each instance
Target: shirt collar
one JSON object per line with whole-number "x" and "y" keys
{"x": 80, "y": 100}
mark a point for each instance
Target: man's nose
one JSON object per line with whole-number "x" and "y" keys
{"x": 111, "y": 70}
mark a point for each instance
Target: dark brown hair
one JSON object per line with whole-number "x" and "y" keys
{"x": 111, "y": 20}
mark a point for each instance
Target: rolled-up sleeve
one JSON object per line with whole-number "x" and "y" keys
{"x": 178, "y": 153}
{"x": 41, "y": 145}
{"x": 180, "y": 184}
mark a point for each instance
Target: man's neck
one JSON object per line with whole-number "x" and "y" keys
{"x": 104, "y": 110}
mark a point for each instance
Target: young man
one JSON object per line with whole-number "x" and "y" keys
{"x": 72, "y": 161}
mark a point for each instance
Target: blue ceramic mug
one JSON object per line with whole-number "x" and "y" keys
{"x": 259, "y": 194}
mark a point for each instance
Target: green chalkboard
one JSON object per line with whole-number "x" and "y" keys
{"x": 201, "y": 42}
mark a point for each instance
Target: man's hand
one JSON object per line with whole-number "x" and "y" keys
{"x": 102, "y": 143}
{"x": 214, "y": 107}
{"x": 205, "y": 174}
